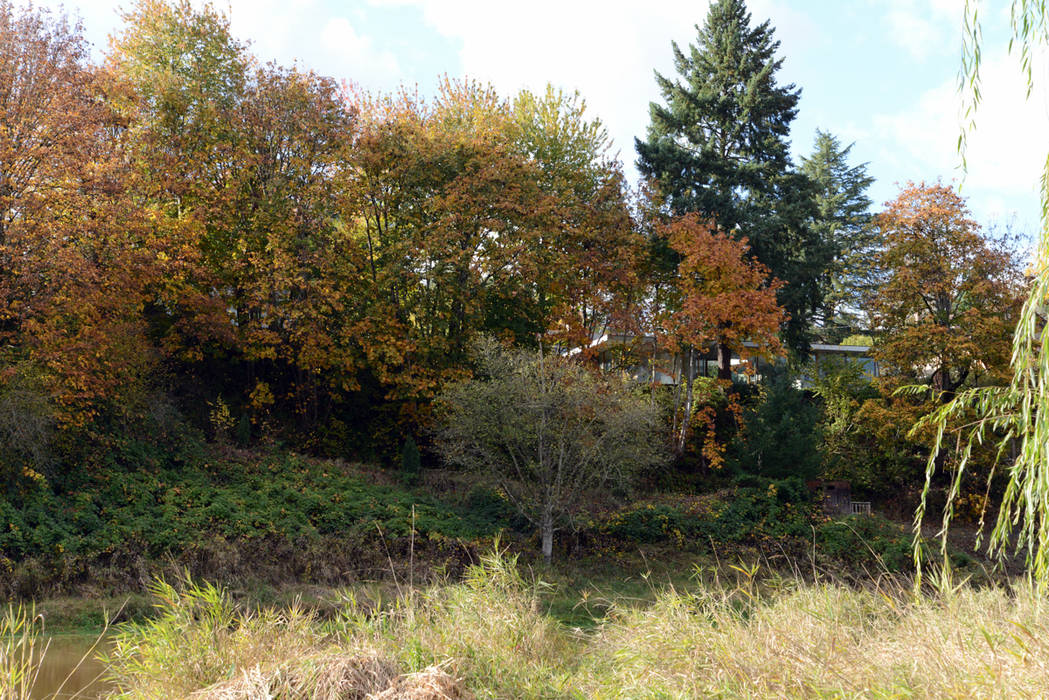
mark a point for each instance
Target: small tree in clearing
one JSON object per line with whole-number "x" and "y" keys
{"x": 546, "y": 431}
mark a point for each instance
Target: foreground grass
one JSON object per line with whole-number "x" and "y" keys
{"x": 491, "y": 636}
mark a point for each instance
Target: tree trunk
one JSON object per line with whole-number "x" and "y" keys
{"x": 686, "y": 419}
{"x": 678, "y": 373}
{"x": 547, "y": 529}
{"x": 724, "y": 362}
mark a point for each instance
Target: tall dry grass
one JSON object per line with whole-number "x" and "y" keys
{"x": 490, "y": 632}
{"x": 825, "y": 641}
{"x": 20, "y": 652}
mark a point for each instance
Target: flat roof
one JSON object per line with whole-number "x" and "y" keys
{"x": 840, "y": 348}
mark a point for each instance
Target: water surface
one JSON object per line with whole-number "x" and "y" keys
{"x": 70, "y": 669}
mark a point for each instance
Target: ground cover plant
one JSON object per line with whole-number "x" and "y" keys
{"x": 224, "y": 515}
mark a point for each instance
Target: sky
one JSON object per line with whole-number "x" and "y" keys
{"x": 879, "y": 74}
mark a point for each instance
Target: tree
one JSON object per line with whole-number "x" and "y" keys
{"x": 942, "y": 313}
{"x": 592, "y": 253}
{"x": 45, "y": 99}
{"x": 725, "y": 299}
{"x": 948, "y": 298}
{"x": 546, "y": 432}
{"x": 242, "y": 171}
{"x": 448, "y": 215}
{"x": 178, "y": 78}
{"x": 73, "y": 266}
{"x": 721, "y": 299}
{"x": 718, "y": 147}
{"x": 843, "y": 222}
{"x": 780, "y": 437}
{"x": 478, "y": 215}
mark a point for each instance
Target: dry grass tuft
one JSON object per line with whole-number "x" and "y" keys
{"x": 489, "y": 637}
{"x": 432, "y": 683}
{"x": 325, "y": 677}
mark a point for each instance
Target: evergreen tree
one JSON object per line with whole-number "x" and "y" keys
{"x": 843, "y": 221}
{"x": 719, "y": 147}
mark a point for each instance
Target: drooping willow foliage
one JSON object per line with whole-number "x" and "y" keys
{"x": 1014, "y": 418}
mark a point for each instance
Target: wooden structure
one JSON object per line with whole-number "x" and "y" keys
{"x": 835, "y": 496}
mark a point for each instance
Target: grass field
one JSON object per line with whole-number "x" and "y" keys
{"x": 502, "y": 632}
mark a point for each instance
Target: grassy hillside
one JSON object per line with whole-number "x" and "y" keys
{"x": 278, "y": 519}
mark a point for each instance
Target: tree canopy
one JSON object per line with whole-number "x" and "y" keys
{"x": 547, "y": 432}
{"x": 843, "y": 222}
{"x": 718, "y": 146}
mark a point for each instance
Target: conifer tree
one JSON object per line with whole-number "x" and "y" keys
{"x": 718, "y": 146}
{"x": 843, "y": 222}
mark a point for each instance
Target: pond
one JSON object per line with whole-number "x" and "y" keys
{"x": 70, "y": 670}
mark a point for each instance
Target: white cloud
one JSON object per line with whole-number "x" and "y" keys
{"x": 1005, "y": 153}
{"x": 357, "y": 54}
{"x": 925, "y": 27}
{"x": 917, "y": 35}
{"x": 525, "y": 45}
{"x": 277, "y": 30}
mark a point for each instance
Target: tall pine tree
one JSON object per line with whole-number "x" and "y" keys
{"x": 843, "y": 221}
{"x": 718, "y": 146}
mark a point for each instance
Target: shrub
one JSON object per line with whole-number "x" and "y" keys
{"x": 546, "y": 431}
{"x": 748, "y": 515}
{"x": 780, "y": 435}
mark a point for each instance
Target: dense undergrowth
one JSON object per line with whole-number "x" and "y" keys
{"x": 225, "y": 516}
{"x": 276, "y": 518}
{"x": 739, "y": 634}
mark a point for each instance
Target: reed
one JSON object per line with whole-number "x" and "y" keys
{"x": 491, "y": 636}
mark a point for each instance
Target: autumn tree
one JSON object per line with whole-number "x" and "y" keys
{"x": 177, "y": 79}
{"x": 592, "y": 252}
{"x": 292, "y": 279}
{"x": 446, "y": 213}
{"x": 725, "y": 298}
{"x": 45, "y": 98}
{"x": 72, "y": 262}
{"x": 945, "y": 308}
{"x": 473, "y": 215}
{"x": 239, "y": 168}
{"x": 718, "y": 146}
{"x": 546, "y": 432}
{"x": 942, "y": 316}
{"x": 721, "y": 300}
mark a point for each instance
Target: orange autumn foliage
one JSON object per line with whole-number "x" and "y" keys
{"x": 725, "y": 299}
{"x": 72, "y": 265}
{"x": 946, "y": 306}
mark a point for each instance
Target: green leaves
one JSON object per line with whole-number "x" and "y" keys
{"x": 546, "y": 432}
{"x": 717, "y": 146}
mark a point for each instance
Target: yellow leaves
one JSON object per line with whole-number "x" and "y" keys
{"x": 950, "y": 294}
{"x": 261, "y": 397}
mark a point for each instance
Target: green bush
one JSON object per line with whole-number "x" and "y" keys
{"x": 751, "y": 514}
{"x": 858, "y": 539}
{"x": 864, "y": 540}
{"x": 166, "y": 506}
{"x": 780, "y": 436}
